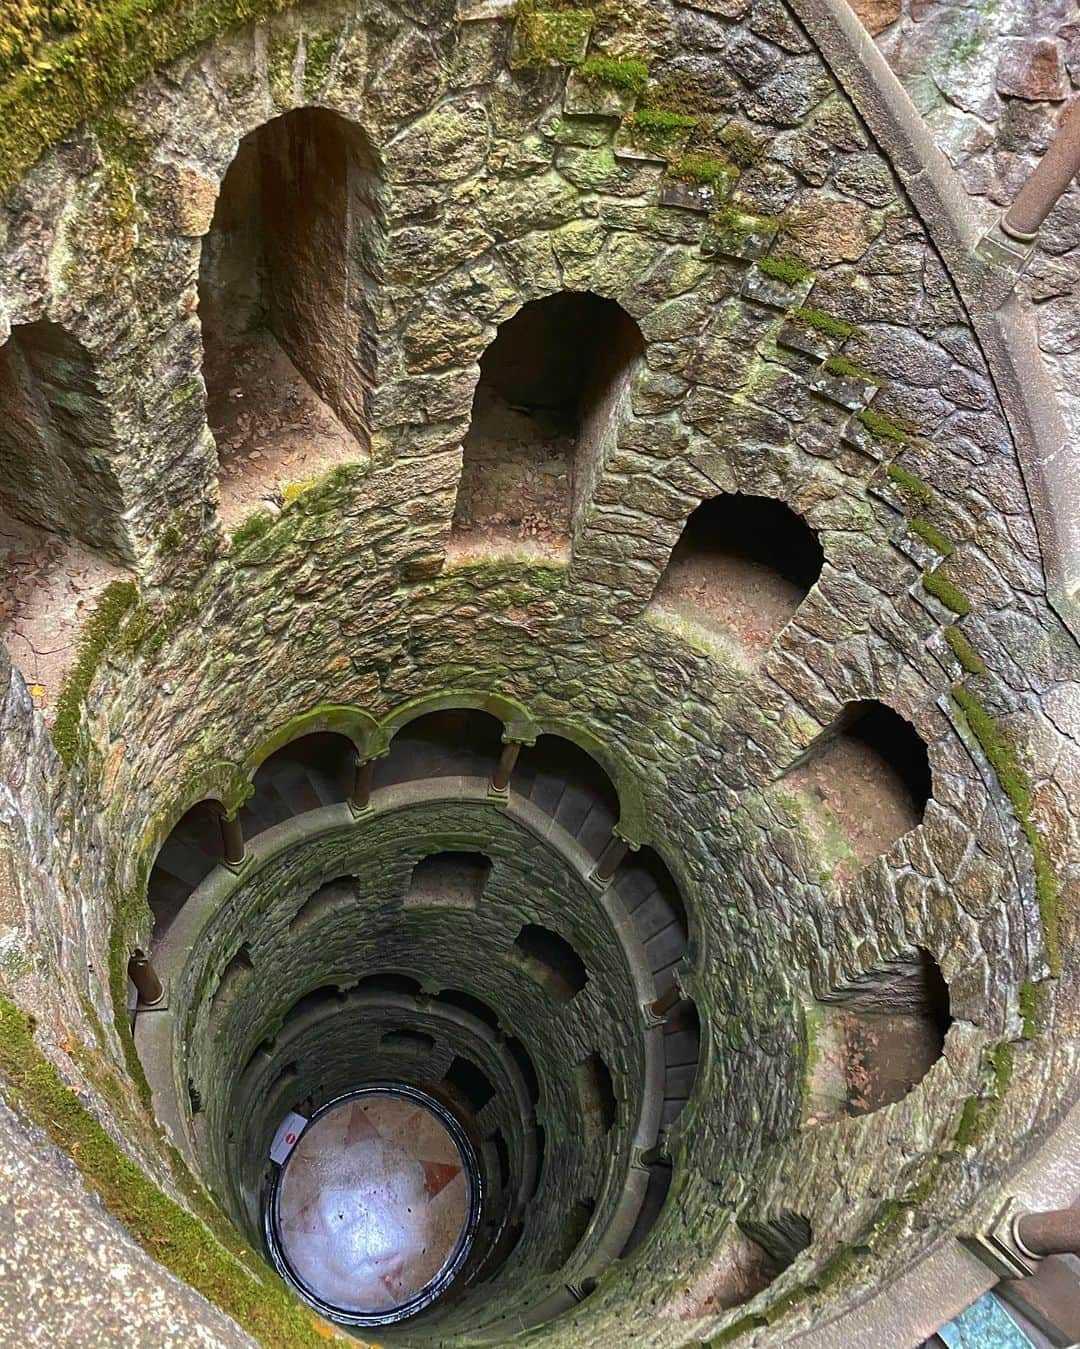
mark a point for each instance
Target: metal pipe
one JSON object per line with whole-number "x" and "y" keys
{"x": 232, "y": 839}
{"x": 500, "y": 778}
{"x": 145, "y": 978}
{"x": 1049, "y": 179}
{"x": 1055, "y": 1232}
{"x": 363, "y": 775}
{"x": 610, "y": 858}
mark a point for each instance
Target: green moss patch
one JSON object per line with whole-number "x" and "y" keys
{"x": 116, "y": 599}
{"x": 550, "y": 37}
{"x": 1016, "y": 784}
{"x": 932, "y": 536}
{"x": 821, "y": 322}
{"x": 965, "y": 653}
{"x": 177, "y": 1239}
{"x": 740, "y": 144}
{"x": 111, "y": 46}
{"x": 704, "y": 169}
{"x": 1030, "y": 1005}
{"x": 843, "y": 367}
{"x": 913, "y": 488}
{"x": 885, "y": 428}
{"x": 934, "y": 583}
{"x": 790, "y": 271}
{"x": 630, "y": 76}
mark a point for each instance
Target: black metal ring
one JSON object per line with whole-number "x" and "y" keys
{"x": 438, "y": 1285}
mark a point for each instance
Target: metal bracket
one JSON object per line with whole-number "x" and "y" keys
{"x": 998, "y": 1247}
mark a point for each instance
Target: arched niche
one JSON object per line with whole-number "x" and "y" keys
{"x": 740, "y": 570}
{"x": 553, "y": 388}
{"x": 57, "y": 445}
{"x": 872, "y": 1040}
{"x": 287, "y": 280}
{"x": 862, "y": 785}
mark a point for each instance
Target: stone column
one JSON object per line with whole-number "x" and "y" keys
{"x": 232, "y": 838}
{"x": 145, "y": 978}
{"x": 500, "y": 778}
{"x": 360, "y": 795}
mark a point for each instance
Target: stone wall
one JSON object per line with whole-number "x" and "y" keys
{"x": 770, "y": 323}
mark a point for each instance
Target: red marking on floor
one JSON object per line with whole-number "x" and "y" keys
{"x": 438, "y": 1176}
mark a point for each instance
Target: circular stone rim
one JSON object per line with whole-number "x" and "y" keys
{"x": 452, "y": 1266}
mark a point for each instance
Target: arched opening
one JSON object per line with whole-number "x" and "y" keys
{"x": 596, "y": 1096}
{"x": 465, "y": 1002}
{"x": 652, "y": 899}
{"x": 567, "y": 783}
{"x": 312, "y": 771}
{"x": 453, "y": 742}
{"x": 192, "y": 850}
{"x": 334, "y": 894}
{"x": 448, "y": 880}
{"x": 550, "y": 960}
{"x": 552, "y": 392}
{"x": 682, "y": 1049}
{"x": 863, "y": 784}
{"x": 412, "y": 1041}
{"x": 468, "y": 1084}
{"x": 286, "y": 283}
{"x": 741, "y": 568}
{"x": 63, "y": 531}
{"x": 873, "y": 1040}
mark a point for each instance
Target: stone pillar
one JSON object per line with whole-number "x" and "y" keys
{"x": 610, "y": 858}
{"x": 360, "y": 795}
{"x": 232, "y": 838}
{"x": 145, "y": 978}
{"x": 500, "y": 778}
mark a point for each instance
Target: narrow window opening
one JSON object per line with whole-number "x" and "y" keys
{"x": 412, "y": 1041}
{"x": 289, "y": 1073}
{"x": 867, "y": 777}
{"x": 540, "y": 1137}
{"x": 455, "y": 742}
{"x": 783, "y": 1238}
{"x": 523, "y": 1059}
{"x": 553, "y": 389}
{"x": 596, "y": 1096}
{"x": 656, "y": 1192}
{"x": 194, "y": 1098}
{"x": 470, "y": 1084}
{"x": 502, "y": 1157}
{"x": 309, "y": 772}
{"x": 682, "y": 1049}
{"x": 387, "y": 985}
{"x": 336, "y": 894}
{"x": 319, "y": 1002}
{"x": 575, "y": 1225}
{"x": 872, "y": 1041}
{"x": 448, "y": 880}
{"x": 465, "y": 1002}
{"x": 234, "y": 975}
{"x": 550, "y": 960}
{"x": 741, "y": 569}
{"x": 293, "y": 236}
{"x": 192, "y": 850}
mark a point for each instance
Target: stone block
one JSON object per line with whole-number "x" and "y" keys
{"x": 1031, "y": 68}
